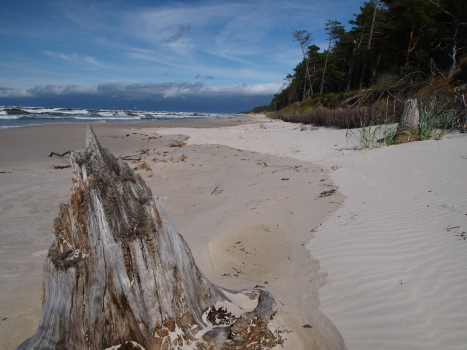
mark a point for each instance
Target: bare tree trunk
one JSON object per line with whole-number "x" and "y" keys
{"x": 454, "y": 49}
{"x": 304, "y": 38}
{"x": 321, "y": 91}
{"x": 306, "y": 92}
{"x": 362, "y": 76}
{"x": 349, "y": 74}
{"x": 352, "y": 61}
{"x": 118, "y": 271}
{"x": 409, "y": 50}
{"x": 456, "y": 22}
{"x": 309, "y": 78}
{"x": 412, "y": 45}
{"x": 407, "y": 129}
{"x": 374, "y": 70}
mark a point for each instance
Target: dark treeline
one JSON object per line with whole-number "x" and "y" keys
{"x": 392, "y": 44}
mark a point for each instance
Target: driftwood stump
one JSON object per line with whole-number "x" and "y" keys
{"x": 119, "y": 272}
{"x": 407, "y": 130}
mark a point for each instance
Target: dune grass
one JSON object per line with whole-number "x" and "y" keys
{"x": 371, "y": 136}
{"x": 340, "y": 118}
{"x": 376, "y": 126}
{"x": 435, "y": 122}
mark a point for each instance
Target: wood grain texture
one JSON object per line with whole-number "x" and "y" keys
{"x": 407, "y": 130}
{"x": 118, "y": 271}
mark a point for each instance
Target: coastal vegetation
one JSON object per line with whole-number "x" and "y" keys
{"x": 395, "y": 50}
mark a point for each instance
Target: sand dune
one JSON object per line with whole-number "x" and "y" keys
{"x": 394, "y": 248}
{"x": 394, "y": 253}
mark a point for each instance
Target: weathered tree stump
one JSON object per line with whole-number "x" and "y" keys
{"x": 119, "y": 272}
{"x": 407, "y": 130}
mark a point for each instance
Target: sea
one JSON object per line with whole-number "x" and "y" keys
{"x": 14, "y": 117}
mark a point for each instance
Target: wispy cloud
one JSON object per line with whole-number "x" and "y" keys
{"x": 240, "y": 33}
{"x": 76, "y": 58}
{"x": 180, "y": 32}
{"x": 71, "y": 46}
{"x": 166, "y": 58}
{"x": 199, "y": 76}
{"x": 231, "y": 30}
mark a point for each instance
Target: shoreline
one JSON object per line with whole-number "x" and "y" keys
{"x": 195, "y": 122}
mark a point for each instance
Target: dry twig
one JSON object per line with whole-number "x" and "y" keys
{"x": 58, "y": 154}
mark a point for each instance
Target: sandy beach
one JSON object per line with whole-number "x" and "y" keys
{"x": 361, "y": 249}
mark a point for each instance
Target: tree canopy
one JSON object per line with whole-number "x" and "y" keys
{"x": 389, "y": 41}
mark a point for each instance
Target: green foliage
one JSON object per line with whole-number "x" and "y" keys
{"x": 414, "y": 42}
{"x": 436, "y": 121}
{"x": 386, "y": 81}
{"x": 372, "y": 136}
{"x": 262, "y": 109}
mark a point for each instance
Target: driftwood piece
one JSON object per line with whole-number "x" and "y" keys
{"x": 407, "y": 130}
{"x": 136, "y": 158}
{"x": 58, "y": 154}
{"x": 118, "y": 272}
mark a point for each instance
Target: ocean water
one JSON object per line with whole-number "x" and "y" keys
{"x": 13, "y": 117}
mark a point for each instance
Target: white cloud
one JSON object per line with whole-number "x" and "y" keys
{"x": 244, "y": 89}
{"x": 88, "y": 42}
{"x": 230, "y": 30}
{"x": 47, "y": 91}
{"x": 75, "y": 58}
{"x": 143, "y": 91}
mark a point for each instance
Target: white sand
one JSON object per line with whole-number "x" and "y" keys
{"x": 393, "y": 254}
{"x": 390, "y": 258}
{"x": 250, "y": 233}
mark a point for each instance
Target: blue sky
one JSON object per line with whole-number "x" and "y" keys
{"x": 202, "y": 56}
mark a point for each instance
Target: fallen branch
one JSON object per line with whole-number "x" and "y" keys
{"x": 347, "y": 100}
{"x": 59, "y": 155}
{"x": 62, "y": 166}
{"x": 131, "y": 158}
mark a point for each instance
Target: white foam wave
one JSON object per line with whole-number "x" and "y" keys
{"x": 5, "y": 116}
{"x": 107, "y": 118}
{"x": 24, "y": 116}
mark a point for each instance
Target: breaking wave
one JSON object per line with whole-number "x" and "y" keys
{"x": 24, "y": 116}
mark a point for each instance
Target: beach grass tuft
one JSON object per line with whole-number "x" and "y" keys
{"x": 436, "y": 120}
{"x": 372, "y": 136}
